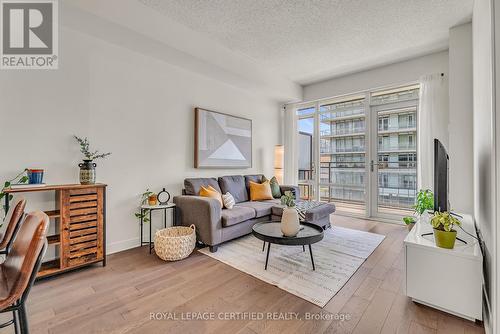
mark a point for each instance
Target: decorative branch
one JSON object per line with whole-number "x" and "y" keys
{"x": 85, "y": 149}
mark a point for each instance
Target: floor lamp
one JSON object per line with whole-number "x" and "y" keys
{"x": 279, "y": 162}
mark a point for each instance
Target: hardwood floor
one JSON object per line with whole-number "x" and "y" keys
{"x": 120, "y": 297}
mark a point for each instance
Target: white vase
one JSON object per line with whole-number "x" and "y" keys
{"x": 290, "y": 225}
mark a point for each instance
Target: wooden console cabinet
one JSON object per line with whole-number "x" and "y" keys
{"x": 80, "y": 225}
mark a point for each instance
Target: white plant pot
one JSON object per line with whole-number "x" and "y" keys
{"x": 290, "y": 225}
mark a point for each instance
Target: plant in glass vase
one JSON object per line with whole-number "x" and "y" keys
{"x": 423, "y": 202}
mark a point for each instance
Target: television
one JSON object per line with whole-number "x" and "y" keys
{"x": 441, "y": 162}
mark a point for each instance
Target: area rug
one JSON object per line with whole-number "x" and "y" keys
{"x": 337, "y": 257}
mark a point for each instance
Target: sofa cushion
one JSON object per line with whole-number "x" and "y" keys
{"x": 235, "y": 185}
{"x": 192, "y": 186}
{"x": 275, "y": 201}
{"x": 261, "y": 208}
{"x": 236, "y": 215}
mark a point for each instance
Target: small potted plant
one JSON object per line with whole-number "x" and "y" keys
{"x": 423, "y": 202}
{"x": 87, "y": 168}
{"x": 409, "y": 221}
{"x": 20, "y": 178}
{"x": 144, "y": 213}
{"x": 290, "y": 225}
{"x": 153, "y": 199}
{"x": 444, "y": 234}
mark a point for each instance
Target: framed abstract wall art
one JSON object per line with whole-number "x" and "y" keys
{"x": 222, "y": 140}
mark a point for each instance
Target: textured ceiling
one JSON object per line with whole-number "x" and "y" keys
{"x": 309, "y": 41}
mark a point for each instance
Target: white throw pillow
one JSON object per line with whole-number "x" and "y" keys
{"x": 228, "y": 200}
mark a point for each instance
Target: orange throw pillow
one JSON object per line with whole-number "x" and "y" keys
{"x": 212, "y": 193}
{"x": 260, "y": 191}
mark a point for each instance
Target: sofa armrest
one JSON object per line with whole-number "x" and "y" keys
{"x": 294, "y": 189}
{"x": 204, "y": 213}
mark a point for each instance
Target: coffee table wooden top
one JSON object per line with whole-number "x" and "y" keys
{"x": 271, "y": 232}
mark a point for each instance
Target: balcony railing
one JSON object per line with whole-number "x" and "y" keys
{"x": 397, "y": 165}
{"x": 348, "y": 149}
{"x": 400, "y": 147}
{"x": 339, "y": 115}
{"x": 340, "y": 132}
{"x": 400, "y": 127}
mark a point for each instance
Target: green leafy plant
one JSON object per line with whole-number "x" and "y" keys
{"x": 424, "y": 201}
{"x": 409, "y": 220}
{"x": 288, "y": 199}
{"x": 444, "y": 221}
{"x": 85, "y": 149}
{"x": 19, "y": 178}
{"x": 144, "y": 214}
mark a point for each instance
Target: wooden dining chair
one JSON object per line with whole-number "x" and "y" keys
{"x": 13, "y": 220}
{"x": 18, "y": 271}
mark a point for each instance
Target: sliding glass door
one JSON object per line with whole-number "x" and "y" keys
{"x": 359, "y": 151}
{"x": 395, "y": 167}
{"x": 343, "y": 153}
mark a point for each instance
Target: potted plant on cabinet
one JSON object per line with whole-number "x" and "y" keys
{"x": 87, "y": 168}
{"x": 290, "y": 225}
{"x": 423, "y": 202}
{"x": 444, "y": 234}
{"x": 20, "y": 178}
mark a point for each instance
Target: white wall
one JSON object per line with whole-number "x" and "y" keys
{"x": 394, "y": 74}
{"x": 484, "y": 151}
{"x": 136, "y": 106}
{"x": 460, "y": 119}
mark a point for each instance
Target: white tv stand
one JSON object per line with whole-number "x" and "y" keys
{"x": 447, "y": 279}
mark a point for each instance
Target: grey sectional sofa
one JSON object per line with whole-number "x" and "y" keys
{"x": 215, "y": 225}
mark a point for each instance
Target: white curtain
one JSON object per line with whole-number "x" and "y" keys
{"x": 432, "y": 123}
{"x": 291, "y": 146}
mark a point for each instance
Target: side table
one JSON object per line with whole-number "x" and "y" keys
{"x": 151, "y": 208}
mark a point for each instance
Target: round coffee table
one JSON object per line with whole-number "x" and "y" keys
{"x": 270, "y": 232}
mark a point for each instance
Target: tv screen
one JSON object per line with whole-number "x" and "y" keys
{"x": 440, "y": 177}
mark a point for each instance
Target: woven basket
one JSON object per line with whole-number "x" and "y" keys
{"x": 175, "y": 243}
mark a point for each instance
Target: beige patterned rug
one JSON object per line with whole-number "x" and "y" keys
{"x": 337, "y": 257}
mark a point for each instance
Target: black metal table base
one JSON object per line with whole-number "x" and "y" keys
{"x": 150, "y": 242}
{"x": 303, "y": 249}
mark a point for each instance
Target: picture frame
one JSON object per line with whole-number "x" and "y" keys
{"x": 222, "y": 140}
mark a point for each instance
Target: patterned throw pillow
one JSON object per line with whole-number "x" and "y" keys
{"x": 275, "y": 187}
{"x": 228, "y": 200}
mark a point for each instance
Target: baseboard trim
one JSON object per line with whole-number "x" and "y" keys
{"x": 119, "y": 246}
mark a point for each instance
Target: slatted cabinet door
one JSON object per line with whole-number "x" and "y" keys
{"x": 82, "y": 226}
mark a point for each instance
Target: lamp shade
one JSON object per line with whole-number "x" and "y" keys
{"x": 279, "y": 162}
